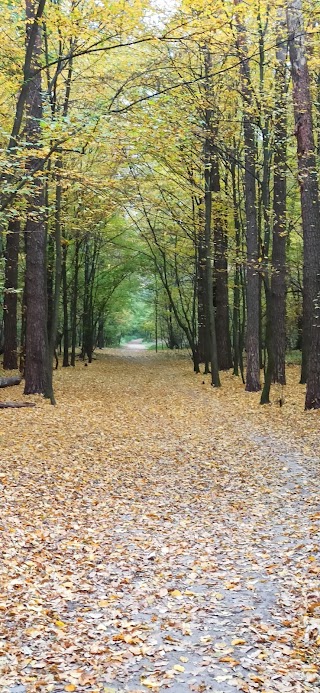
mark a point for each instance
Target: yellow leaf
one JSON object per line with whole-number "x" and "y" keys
{"x": 70, "y": 687}
{"x": 226, "y": 658}
{"x": 150, "y": 683}
{"x": 178, "y": 667}
{"x": 175, "y": 593}
{"x": 60, "y": 624}
{"x": 238, "y": 641}
{"x": 184, "y": 659}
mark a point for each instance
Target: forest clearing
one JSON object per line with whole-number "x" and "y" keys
{"x": 159, "y": 534}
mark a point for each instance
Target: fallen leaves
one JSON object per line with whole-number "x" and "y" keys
{"x": 176, "y": 594}
{"x": 238, "y": 641}
{"x": 136, "y": 559}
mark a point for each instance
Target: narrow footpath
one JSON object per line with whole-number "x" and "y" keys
{"x": 157, "y": 534}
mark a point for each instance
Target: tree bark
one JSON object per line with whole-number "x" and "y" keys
{"x": 65, "y": 362}
{"x": 9, "y": 382}
{"x": 208, "y": 182}
{"x": 278, "y": 261}
{"x": 50, "y": 262}
{"x": 236, "y": 288}
{"x": 10, "y": 354}
{"x": 252, "y": 234}
{"x": 265, "y": 394}
{"x": 38, "y": 371}
{"x": 58, "y": 203}
{"x": 201, "y": 299}
{"x": 211, "y": 325}
{"x": 34, "y": 12}
{"x": 74, "y": 303}
{"x": 221, "y": 298}
{"x": 253, "y": 298}
{"x": 16, "y": 405}
{"x": 53, "y": 334}
{"x": 309, "y": 192}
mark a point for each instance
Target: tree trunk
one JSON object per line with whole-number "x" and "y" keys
{"x": 236, "y": 288}
{"x": 253, "y": 302}
{"x": 10, "y": 354}
{"x": 211, "y": 326}
{"x": 65, "y": 362}
{"x": 50, "y": 257}
{"x": 208, "y": 183}
{"x": 309, "y": 193}
{"x": 9, "y": 382}
{"x": 74, "y": 303}
{"x": 100, "y": 335}
{"x": 221, "y": 277}
{"x": 203, "y": 329}
{"x": 16, "y": 405}
{"x": 87, "y": 320}
{"x": 38, "y": 370}
{"x": 265, "y": 394}
{"x": 252, "y": 341}
{"x": 22, "y": 358}
{"x": 53, "y": 335}
{"x": 201, "y": 299}
{"x": 34, "y": 13}
{"x": 278, "y": 274}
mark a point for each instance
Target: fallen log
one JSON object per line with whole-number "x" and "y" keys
{"x": 8, "y": 382}
{"x": 16, "y": 405}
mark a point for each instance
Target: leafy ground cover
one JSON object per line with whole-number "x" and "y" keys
{"x": 158, "y": 534}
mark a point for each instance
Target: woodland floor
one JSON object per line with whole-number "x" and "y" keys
{"x": 159, "y": 534}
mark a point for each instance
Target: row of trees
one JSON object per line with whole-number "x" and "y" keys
{"x": 174, "y": 148}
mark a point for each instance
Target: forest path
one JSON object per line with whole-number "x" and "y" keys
{"x": 158, "y": 534}
{"x": 135, "y": 344}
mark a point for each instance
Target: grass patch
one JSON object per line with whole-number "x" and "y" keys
{"x": 293, "y": 358}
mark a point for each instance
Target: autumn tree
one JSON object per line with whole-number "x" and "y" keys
{"x": 309, "y": 192}
{"x": 38, "y": 370}
{"x": 252, "y": 275}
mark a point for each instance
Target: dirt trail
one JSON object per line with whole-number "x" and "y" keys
{"x": 157, "y": 534}
{"x": 136, "y": 344}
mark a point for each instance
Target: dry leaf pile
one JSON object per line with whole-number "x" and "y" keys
{"x": 159, "y": 534}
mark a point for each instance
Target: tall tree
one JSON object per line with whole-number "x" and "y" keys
{"x": 209, "y": 172}
{"x": 275, "y": 284}
{"x": 309, "y": 194}
{"x": 252, "y": 236}
{"x": 38, "y": 370}
{"x": 221, "y": 298}
{"x": 12, "y": 242}
{"x": 10, "y": 353}
{"x": 278, "y": 262}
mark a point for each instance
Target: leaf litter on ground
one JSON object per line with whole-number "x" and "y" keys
{"x": 158, "y": 534}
